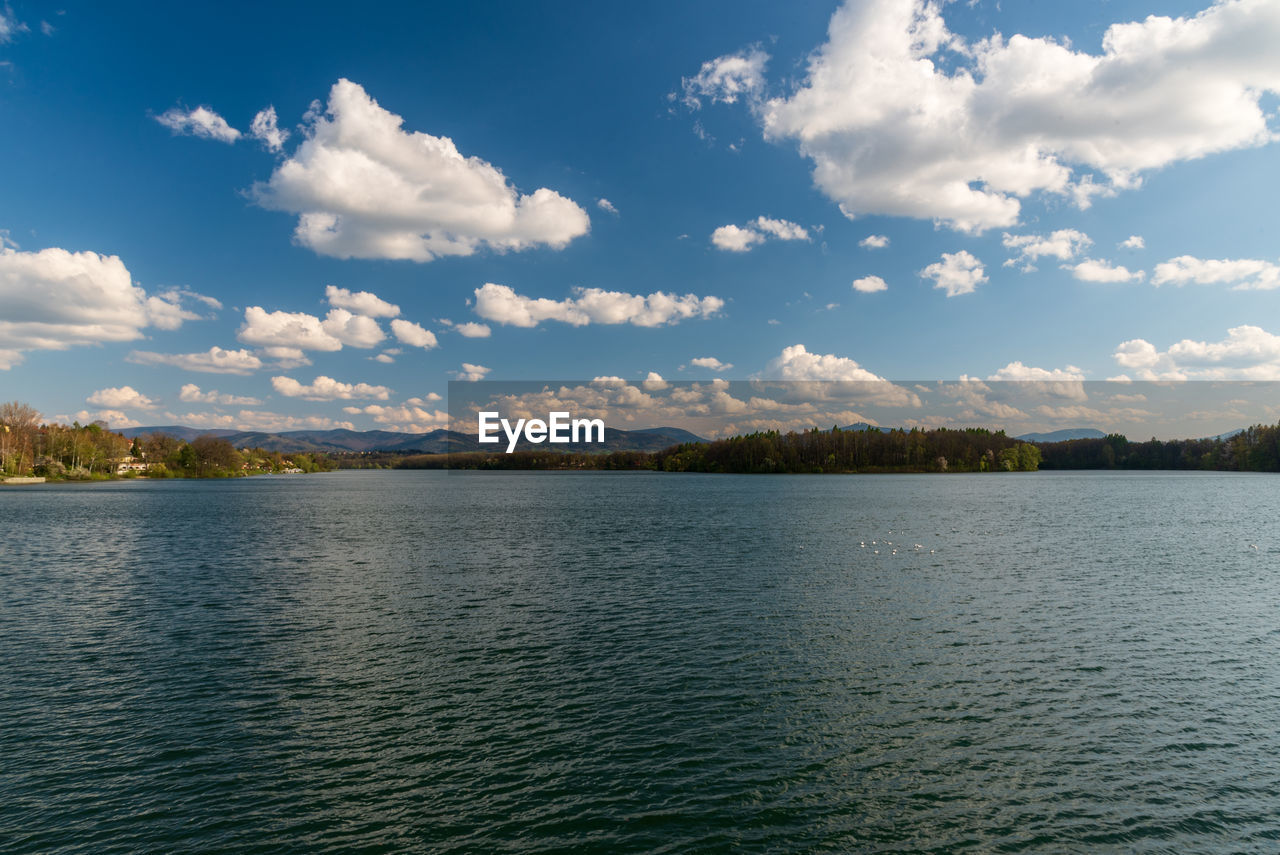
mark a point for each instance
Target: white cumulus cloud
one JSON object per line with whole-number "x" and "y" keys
{"x": 870, "y": 284}
{"x": 296, "y": 330}
{"x": 120, "y": 398}
{"x": 361, "y": 302}
{"x": 501, "y": 304}
{"x": 1246, "y": 274}
{"x": 732, "y": 238}
{"x": 114, "y": 419}
{"x": 363, "y": 187}
{"x": 957, "y": 273}
{"x": 727, "y": 78}
{"x": 711, "y": 363}
{"x": 327, "y": 389}
{"x": 471, "y": 329}
{"x": 471, "y": 373}
{"x": 413, "y": 334}
{"x": 1060, "y": 382}
{"x": 900, "y": 116}
{"x": 265, "y": 130}
{"x": 1133, "y": 242}
{"x": 258, "y": 420}
{"x": 797, "y": 363}
{"x": 1093, "y": 270}
{"x": 1247, "y": 353}
{"x": 412, "y": 416}
{"x": 874, "y": 242}
{"x": 54, "y": 299}
{"x": 781, "y": 229}
{"x": 653, "y": 382}
{"x": 352, "y": 329}
{"x": 191, "y": 393}
{"x": 1063, "y": 244}
{"x": 200, "y": 122}
{"x": 215, "y": 360}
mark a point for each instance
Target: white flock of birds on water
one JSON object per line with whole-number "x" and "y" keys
{"x": 915, "y": 547}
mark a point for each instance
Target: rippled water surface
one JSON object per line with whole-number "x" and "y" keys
{"x": 635, "y": 662}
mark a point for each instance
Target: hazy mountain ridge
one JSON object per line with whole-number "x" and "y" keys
{"x": 437, "y": 441}
{"x": 1063, "y": 435}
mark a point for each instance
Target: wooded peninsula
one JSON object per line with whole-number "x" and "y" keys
{"x": 1256, "y": 449}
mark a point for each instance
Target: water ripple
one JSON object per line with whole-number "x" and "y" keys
{"x": 623, "y": 662}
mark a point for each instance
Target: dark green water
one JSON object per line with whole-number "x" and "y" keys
{"x": 626, "y": 662}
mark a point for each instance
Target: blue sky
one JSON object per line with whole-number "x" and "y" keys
{"x": 165, "y": 263}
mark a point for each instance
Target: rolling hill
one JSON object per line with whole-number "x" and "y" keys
{"x": 434, "y": 442}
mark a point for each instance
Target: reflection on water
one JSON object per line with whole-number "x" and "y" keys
{"x": 639, "y": 662}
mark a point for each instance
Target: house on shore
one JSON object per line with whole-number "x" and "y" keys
{"x": 131, "y": 464}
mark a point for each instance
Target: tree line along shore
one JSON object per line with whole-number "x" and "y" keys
{"x": 1255, "y": 449}
{"x": 30, "y": 448}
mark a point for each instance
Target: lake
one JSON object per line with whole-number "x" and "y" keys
{"x": 642, "y": 662}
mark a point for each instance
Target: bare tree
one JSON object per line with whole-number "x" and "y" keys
{"x": 19, "y": 429}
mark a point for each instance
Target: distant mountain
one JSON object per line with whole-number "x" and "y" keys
{"x": 434, "y": 442}
{"x": 863, "y": 426}
{"x": 1228, "y": 434}
{"x": 182, "y": 432}
{"x": 1061, "y": 435}
{"x": 665, "y": 436}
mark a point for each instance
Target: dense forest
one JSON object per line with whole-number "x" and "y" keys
{"x": 1255, "y": 449}
{"x": 29, "y": 447}
{"x": 836, "y": 450}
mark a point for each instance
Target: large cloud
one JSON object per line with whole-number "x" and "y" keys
{"x": 501, "y": 304}
{"x": 1247, "y": 353}
{"x": 363, "y": 187}
{"x": 54, "y": 299}
{"x": 900, "y": 116}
